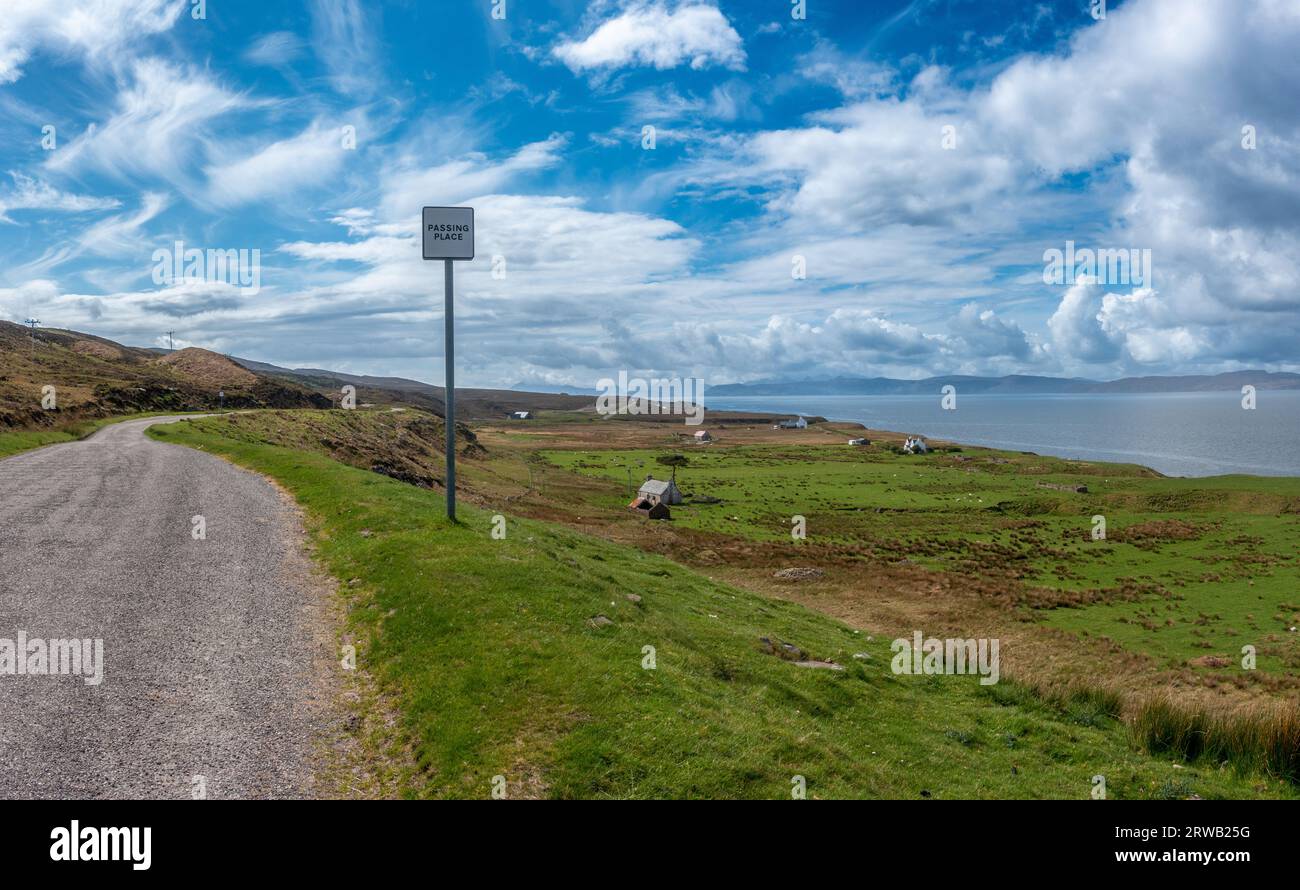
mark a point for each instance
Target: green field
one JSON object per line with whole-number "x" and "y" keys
{"x": 1188, "y": 567}
{"x": 490, "y": 652}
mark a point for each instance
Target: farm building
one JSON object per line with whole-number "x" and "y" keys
{"x": 915, "y": 445}
{"x": 799, "y": 423}
{"x": 521, "y": 415}
{"x": 859, "y": 441}
{"x": 652, "y": 511}
{"x": 654, "y": 492}
{"x": 703, "y": 436}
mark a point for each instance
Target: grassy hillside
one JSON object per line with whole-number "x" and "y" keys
{"x": 95, "y": 378}
{"x": 525, "y": 658}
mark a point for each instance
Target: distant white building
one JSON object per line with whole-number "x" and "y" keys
{"x": 521, "y": 415}
{"x": 859, "y": 441}
{"x": 799, "y": 423}
{"x": 915, "y": 445}
{"x": 654, "y": 492}
{"x": 703, "y": 436}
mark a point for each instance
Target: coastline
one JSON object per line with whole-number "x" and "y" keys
{"x": 1193, "y": 435}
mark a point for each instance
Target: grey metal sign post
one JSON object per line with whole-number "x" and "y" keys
{"x": 448, "y": 235}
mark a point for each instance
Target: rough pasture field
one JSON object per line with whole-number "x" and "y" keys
{"x": 1189, "y": 571}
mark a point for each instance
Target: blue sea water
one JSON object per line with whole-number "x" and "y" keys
{"x": 1178, "y": 434}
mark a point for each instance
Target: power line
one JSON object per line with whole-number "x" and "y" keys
{"x": 32, "y": 323}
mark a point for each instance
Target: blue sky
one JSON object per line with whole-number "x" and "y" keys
{"x": 917, "y": 159}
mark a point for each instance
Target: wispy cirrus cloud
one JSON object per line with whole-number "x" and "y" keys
{"x": 96, "y": 30}
{"x": 309, "y": 159}
{"x": 343, "y": 39}
{"x": 32, "y": 194}
{"x": 162, "y": 128}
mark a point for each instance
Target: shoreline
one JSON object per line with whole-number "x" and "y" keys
{"x": 1007, "y": 433}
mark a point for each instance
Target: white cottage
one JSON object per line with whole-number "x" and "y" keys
{"x": 703, "y": 436}
{"x": 655, "y": 492}
{"x": 521, "y": 415}
{"x": 799, "y": 423}
{"x": 915, "y": 445}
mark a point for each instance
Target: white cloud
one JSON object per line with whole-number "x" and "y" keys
{"x": 408, "y": 184}
{"x": 274, "y": 49}
{"x": 649, "y": 34}
{"x": 162, "y": 127}
{"x": 31, "y": 194}
{"x": 119, "y": 236}
{"x": 728, "y": 101}
{"x": 309, "y": 159}
{"x": 914, "y": 252}
{"x": 342, "y": 39}
{"x": 1076, "y": 329}
{"x": 985, "y": 335}
{"x": 1167, "y": 172}
{"x": 854, "y": 78}
{"x": 95, "y": 29}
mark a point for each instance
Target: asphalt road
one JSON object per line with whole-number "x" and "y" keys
{"x": 213, "y": 650}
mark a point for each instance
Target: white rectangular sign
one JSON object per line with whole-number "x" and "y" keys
{"x": 448, "y": 233}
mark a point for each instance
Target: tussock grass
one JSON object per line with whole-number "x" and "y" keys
{"x": 1263, "y": 737}
{"x": 1080, "y": 703}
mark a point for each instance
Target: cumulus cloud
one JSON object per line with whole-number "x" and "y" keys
{"x": 994, "y": 166}
{"x": 985, "y": 335}
{"x": 1076, "y": 328}
{"x": 652, "y": 35}
{"x": 818, "y": 174}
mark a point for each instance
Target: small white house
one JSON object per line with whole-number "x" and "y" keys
{"x": 915, "y": 445}
{"x": 703, "y": 436}
{"x": 654, "y": 492}
{"x": 521, "y": 415}
{"x": 799, "y": 423}
{"x": 859, "y": 442}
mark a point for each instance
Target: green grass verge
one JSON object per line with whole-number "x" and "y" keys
{"x": 487, "y": 648}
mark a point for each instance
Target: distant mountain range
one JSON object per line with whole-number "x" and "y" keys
{"x": 555, "y": 390}
{"x": 1015, "y": 384}
{"x": 470, "y": 403}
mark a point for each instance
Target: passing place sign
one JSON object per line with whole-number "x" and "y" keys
{"x": 448, "y": 233}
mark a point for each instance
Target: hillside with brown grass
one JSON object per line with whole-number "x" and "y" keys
{"x": 92, "y": 377}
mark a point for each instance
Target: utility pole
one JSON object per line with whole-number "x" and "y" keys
{"x": 170, "y": 342}
{"x": 32, "y": 323}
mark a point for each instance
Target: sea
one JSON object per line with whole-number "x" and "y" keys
{"x": 1178, "y": 434}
